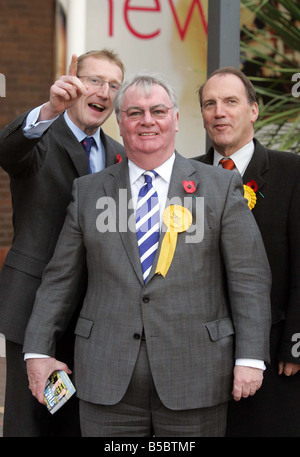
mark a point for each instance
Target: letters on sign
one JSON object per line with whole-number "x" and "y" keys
{"x": 156, "y": 8}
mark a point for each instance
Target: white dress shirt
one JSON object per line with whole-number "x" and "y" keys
{"x": 241, "y": 158}
{"x": 160, "y": 183}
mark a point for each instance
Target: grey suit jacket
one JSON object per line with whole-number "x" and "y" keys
{"x": 213, "y": 305}
{"x": 41, "y": 173}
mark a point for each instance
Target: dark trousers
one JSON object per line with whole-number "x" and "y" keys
{"x": 274, "y": 411}
{"x": 24, "y": 416}
{"x": 140, "y": 413}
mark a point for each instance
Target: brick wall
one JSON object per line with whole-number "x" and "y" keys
{"x": 27, "y": 58}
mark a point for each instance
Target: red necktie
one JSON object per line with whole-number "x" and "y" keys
{"x": 227, "y": 163}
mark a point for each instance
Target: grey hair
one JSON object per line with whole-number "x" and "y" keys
{"x": 144, "y": 82}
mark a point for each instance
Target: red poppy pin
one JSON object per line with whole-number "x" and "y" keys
{"x": 189, "y": 186}
{"x": 250, "y": 190}
{"x": 118, "y": 158}
{"x": 253, "y": 185}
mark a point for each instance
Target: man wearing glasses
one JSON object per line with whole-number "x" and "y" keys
{"x": 164, "y": 318}
{"x": 43, "y": 151}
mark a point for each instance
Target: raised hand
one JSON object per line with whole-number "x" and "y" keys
{"x": 64, "y": 93}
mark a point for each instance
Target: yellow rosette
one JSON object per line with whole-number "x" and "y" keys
{"x": 250, "y": 195}
{"x": 177, "y": 219}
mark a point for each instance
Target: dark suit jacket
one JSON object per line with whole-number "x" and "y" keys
{"x": 277, "y": 213}
{"x": 41, "y": 173}
{"x": 189, "y": 317}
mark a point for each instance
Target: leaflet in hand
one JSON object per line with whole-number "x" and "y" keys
{"x": 59, "y": 389}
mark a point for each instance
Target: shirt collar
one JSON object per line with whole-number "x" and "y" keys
{"x": 241, "y": 157}
{"x": 164, "y": 170}
{"x": 79, "y": 134}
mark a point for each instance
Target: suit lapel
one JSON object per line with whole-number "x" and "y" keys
{"x": 257, "y": 167}
{"x": 183, "y": 170}
{"x": 72, "y": 146}
{"x": 209, "y": 157}
{"x": 76, "y": 151}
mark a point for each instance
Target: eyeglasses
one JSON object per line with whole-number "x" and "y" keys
{"x": 99, "y": 82}
{"x": 157, "y": 112}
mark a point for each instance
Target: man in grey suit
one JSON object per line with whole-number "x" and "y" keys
{"x": 155, "y": 354}
{"x": 42, "y": 153}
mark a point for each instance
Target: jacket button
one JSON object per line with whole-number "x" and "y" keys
{"x": 146, "y": 299}
{"x": 136, "y": 336}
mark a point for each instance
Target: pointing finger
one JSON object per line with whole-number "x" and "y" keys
{"x": 73, "y": 66}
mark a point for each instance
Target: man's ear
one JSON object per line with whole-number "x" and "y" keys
{"x": 255, "y": 112}
{"x": 119, "y": 122}
{"x": 177, "y": 122}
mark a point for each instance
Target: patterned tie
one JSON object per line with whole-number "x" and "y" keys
{"x": 227, "y": 163}
{"x": 147, "y": 223}
{"x": 87, "y": 143}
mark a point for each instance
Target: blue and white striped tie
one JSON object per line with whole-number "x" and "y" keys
{"x": 147, "y": 223}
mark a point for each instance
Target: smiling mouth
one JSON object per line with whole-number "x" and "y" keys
{"x": 148, "y": 134}
{"x": 221, "y": 126}
{"x": 97, "y": 107}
